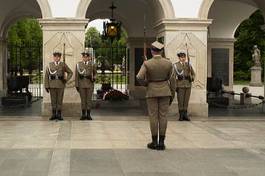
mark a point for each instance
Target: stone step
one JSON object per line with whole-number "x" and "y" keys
{"x": 117, "y": 104}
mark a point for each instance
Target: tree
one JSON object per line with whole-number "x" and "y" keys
{"x": 24, "y": 44}
{"x": 25, "y": 31}
{"x": 93, "y": 38}
{"x": 248, "y": 34}
{"x": 113, "y": 51}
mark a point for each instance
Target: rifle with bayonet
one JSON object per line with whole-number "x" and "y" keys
{"x": 64, "y": 65}
{"x": 145, "y": 48}
{"x": 92, "y": 64}
{"x": 189, "y": 64}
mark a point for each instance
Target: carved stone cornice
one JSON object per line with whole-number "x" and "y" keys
{"x": 182, "y": 24}
{"x": 63, "y": 23}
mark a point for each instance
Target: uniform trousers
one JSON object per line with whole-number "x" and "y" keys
{"x": 86, "y": 98}
{"x": 157, "y": 109}
{"x": 183, "y": 95}
{"x": 57, "y": 98}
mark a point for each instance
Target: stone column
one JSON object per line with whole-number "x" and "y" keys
{"x": 70, "y": 32}
{"x": 3, "y": 69}
{"x": 176, "y": 34}
{"x": 263, "y": 28}
{"x": 221, "y": 60}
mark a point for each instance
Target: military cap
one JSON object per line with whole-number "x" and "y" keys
{"x": 157, "y": 46}
{"x": 86, "y": 52}
{"x": 181, "y": 54}
{"x": 57, "y": 53}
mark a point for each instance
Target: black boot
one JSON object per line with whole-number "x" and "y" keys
{"x": 53, "y": 117}
{"x": 83, "y": 117}
{"x": 181, "y": 115}
{"x": 153, "y": 144}
{"x": 59, "y": 115}
{"x": 185, "y": 116}
{"x": 161, "y": 144}
{"x": 88, "y": 116}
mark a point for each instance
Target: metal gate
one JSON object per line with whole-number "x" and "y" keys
{"x": 25, "y": 64}
{"x": 112, "y": 68}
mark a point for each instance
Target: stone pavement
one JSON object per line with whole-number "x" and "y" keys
{"x": 118, "y": 148}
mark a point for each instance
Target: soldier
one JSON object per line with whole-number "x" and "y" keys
{"x": 184, "y": 77}
{"x": 156, "y": 74}
{"x": 55, "y": 83}
{"x": 85, "y": 76}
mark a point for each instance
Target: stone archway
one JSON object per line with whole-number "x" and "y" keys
{"x": 167, "y": 8}
{"x": 205, "y": 8}
{"x": 33, "y": 8}
{"x": 221, "y": 34}
{"x": 45, "y": 8}
{"x": 11, "y": 12}
{"x": 149, "y": 12}
{"x": 207, "y": 4}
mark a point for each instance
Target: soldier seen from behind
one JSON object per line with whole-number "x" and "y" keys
{"x": 156, "y": 75}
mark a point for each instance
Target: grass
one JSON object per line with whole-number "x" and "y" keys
{"x": 108, "y": 78}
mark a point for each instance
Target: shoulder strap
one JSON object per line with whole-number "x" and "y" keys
{"x": 78, "y": 69}
{"x": 49, "y": 68}
{"x": 177, "y": 71}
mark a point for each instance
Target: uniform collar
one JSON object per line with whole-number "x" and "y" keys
{"x": 182, "y": 63}
{"x": 157, "y": 56}
{"x": 86, "y": 62}
{"x": 57, "y": 63}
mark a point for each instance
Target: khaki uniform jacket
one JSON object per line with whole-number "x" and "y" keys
{"x": 186, "y": 71}
{"x": 85, "y": 70}
{"x": 157, "y": 75}
{"x": 58, "y": 71}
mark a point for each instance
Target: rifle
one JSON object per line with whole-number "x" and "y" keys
{"x": 145, "y": 50}
{"x": 189, "y": 65}
{"x": 64, "y": 60}
{"x": 92, "y": 63}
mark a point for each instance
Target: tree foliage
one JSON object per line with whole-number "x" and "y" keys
{"x": 106, "y": 50}
{"x": 25, "y": 45}
{"x": 25, "y": 31}
{"x": 248, "y": 34}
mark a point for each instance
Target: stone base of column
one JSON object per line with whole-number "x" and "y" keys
{"x": 195, "y": 110}
{"x": 256, "y": 76}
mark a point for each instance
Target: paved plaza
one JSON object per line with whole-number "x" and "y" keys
{"x": 118, "y": 148}
{"x": 114, "y": 144}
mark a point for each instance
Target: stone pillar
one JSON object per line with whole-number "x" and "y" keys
{"x": 70, "y": 32}
{"x": 221, "y": 60}
{"x": 135, "y": 46}
{"x": 3, "y": 68}
{"x": 256, "y": 76}
{"x": 176, "y": 34}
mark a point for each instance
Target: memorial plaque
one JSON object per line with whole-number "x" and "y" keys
{"x": 220, "y": 64}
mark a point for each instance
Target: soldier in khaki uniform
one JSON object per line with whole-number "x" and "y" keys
{"x": 156, "y": 74}
{"x": 85, "y": 76}
{"x": 184, "y": 77}
{"x": 55, "y": 83}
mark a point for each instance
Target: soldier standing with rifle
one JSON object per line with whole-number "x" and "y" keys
{"x": 85, "y": 76}
{"x": 156, "y": 75}
{"x": 55, "y": 81}
{"x": 185, "y": 75}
